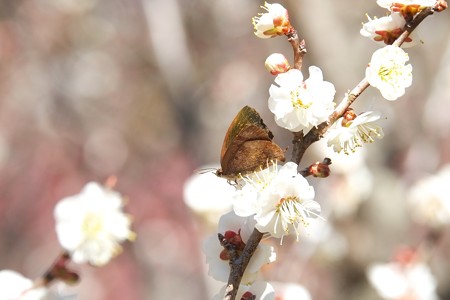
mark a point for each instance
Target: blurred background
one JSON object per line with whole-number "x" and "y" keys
{"x": 146, "y": 89}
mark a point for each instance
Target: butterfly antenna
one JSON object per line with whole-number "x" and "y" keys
{"x": 205, "y": 170}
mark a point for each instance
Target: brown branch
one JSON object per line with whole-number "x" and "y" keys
{"x": 316, "y": 133}
{"x": 409, "y": 27}
{"x": 298, "y": 47}
{"x": 239, "y": 264}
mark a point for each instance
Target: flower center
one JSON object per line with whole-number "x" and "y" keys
{"x": 290, "y": 211}
{"x": 92, "y": 224}
{"x": 366, "y": 132}
{"x": 298, "y": 101}
{"x": 390, "y": 73}
{"x": 261, "y": 179}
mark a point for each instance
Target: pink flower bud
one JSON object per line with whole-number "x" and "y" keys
{"x": 277, "y": 63}
{"x": 248, "y": 296}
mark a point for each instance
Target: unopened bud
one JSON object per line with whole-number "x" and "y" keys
{"x": 320, "y": 169}
{"x": 231, "y": 241}
{"x": 277, "y": 63}
{"x": 406, "y": 256}
{"x": 234, "y": 239}
{"x": 248, "y": 296}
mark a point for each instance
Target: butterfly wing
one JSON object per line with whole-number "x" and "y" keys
{"x": 248, "y": 145}
{"x": 253, "y": 156}
{"x": 247, "y": 116}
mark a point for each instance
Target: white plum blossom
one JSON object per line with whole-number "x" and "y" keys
{"x": 281, "y": 201}
{"x": 387, "y": 29}
{"x": 245, "y": 199}
{"x": 352, "y": 181}
{"x": 389, "y": 73}
{"x": 349, "y": 133}
{"x": 91, "y": 225}
{"x": 398, "y": 281}
{"x": 300, "y": 105}
{"x": 260, "y": 289}
{"x": 408, "y": 8}
{"x": 389, "y": 3}
{"x": 236, "y": 230}
{"x": 429, "y": 199}
{"x": 273, "y": 22}
{"x": 14, "y": 286}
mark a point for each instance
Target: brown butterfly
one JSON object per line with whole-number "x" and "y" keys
{"x": 247, "y": 146}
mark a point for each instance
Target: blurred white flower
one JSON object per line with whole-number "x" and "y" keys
{"x": 351, "y": 182}
{"x": 429, "y": 199}
{"x": 396, "y": 281}
{"x": 14, "y": 286}
{"x": 388, "y": 73}
{"x": 260, "y": 289}
{"x": 387, "y": 29}
{"x": 208, "y": 196}
{"x": 91, "y": 225}
{"x": 236, "y": 230}
{"x": 272, "y": 23}
{"x": 301, "y": 105}
{"x": 281, "y": 200}
{"x": 290, "y": 291}
{"x": 351, "y": 131}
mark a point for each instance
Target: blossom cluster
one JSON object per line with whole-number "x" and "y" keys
{"x": 388, "y": 28}
{"x": 300, "y": 104}
{"x": 387, "y": 70}
{"x": 278, "y": 201}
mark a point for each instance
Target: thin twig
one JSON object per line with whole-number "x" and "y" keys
{"x": 298, "y": 47}
{"x": 239, "y": 264}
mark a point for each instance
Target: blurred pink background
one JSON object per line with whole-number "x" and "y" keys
{"x": 145, "y": 90}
